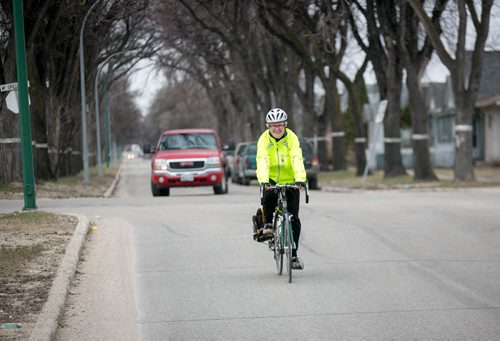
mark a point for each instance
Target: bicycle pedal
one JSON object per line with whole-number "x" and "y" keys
{"x": 271, "y": 245}
{"x": 264, "y": 237}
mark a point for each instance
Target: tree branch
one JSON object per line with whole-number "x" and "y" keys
{"x": 432, "y": 32}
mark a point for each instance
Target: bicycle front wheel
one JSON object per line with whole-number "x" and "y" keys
{"x": 278, "y": 245}
{"x": 288, "y": 245}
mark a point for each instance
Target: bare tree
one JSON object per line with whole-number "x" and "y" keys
{"x": 52, "y": 43}
{"x": 315, "y": 31}
{"x": 465, "y": 73}
{"x": 381, "y": 45}
{"x": 126, "y": 120}
{"x": 178, "y": 105}
{"x": 415, "y": 61}
{"x": 243, "y": 71}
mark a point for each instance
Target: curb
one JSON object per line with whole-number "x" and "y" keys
{"x": 48, "y": 320}
{"x": 112, "y": 187}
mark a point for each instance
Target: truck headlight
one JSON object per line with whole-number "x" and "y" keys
{"x": 160, "y": 164}
{"x": 214, "y": 161}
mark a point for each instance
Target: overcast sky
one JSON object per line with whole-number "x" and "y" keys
{"x": 146, "y": 80}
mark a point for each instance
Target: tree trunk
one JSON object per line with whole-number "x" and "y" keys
{"x": 359, "y": 130}
{"x": 309, "y": 114}
{"x": 332, "y": 108}
{"x": 39, "y": 129}
{"x": 393, "y": 165}
{"x": 420, "y": 138}
{"x": 463, "y": 166}
{"x": 321, "y": 125}
{"x": 10, "y": 151}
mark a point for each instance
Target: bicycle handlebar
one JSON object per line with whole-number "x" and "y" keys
{"x": 278, "y": 187}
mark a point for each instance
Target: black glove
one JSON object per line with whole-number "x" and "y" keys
{"x": 300, "y": 183}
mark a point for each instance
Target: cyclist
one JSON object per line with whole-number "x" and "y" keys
{"x": 279, "y": 161}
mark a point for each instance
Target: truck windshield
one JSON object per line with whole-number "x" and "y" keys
{"x": 188, "y": 141}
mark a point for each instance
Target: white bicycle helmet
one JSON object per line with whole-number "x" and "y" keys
{"x": 276, "y": 115}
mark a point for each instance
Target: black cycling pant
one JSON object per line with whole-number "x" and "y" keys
{"x": 293, "y": 201}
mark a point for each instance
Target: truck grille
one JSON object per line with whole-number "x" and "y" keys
{"x": 187, "y": 164}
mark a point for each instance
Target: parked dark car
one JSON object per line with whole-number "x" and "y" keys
{"x": 311, "y": 162}
{"x": 248, "y": 164}
{"x": 235, "y": 167}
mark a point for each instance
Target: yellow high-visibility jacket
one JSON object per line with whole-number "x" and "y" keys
{"x": 280, "y": 161}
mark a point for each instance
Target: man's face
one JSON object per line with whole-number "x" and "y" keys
{"x": 277, "y": 129}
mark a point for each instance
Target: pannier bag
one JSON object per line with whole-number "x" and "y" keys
{"x": 258, "y": 223}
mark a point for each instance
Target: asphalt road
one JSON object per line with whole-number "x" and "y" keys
{"x": 378, "y": 265}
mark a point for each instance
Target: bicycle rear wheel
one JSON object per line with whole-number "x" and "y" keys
{"x": 278, "y": 245}
{"x": 288, "y": 245}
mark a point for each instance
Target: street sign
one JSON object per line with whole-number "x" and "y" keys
{"x": 12, "y": 103}
{"x": 11, "y": 100}
{"x": 8, "y": 87}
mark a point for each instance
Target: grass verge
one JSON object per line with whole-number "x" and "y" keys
{"x": 32, "y": 246}
{"x": 14, "y": 257}
{"x": 13, "y": 253}
{"x": 66, "y": 187}
{"x": 347, "y": 179}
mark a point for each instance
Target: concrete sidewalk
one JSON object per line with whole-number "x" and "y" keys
{"x": 53, "y": 309}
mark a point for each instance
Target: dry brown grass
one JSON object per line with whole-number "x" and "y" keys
{"x": 345, "y": 180}
{"x": 66, "y": 187}
{"x": 32, "y": 245}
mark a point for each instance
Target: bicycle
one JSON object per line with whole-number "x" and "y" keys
{"x": 282, "y": 242}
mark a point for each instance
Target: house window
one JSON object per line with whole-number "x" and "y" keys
{"x": 444, "y": 129}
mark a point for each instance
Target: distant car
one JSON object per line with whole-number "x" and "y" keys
{"x": 132, "y": 151}
{"x": 248, "y": 164}
{"x": 311, "y": 162}
{"x": 228, "y": 153}
{"x": 235, "y": 168}
{"x": 186, "y": 158}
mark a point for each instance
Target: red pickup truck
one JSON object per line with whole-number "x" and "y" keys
{"x": 185, "y": 158}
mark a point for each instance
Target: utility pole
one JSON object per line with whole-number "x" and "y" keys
{"x": 24, "y": 109}
{"x": 85, "y": 152}
{"x": 107, "y": 120}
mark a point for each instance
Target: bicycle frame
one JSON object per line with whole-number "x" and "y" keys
{"x": 283, "y": 243}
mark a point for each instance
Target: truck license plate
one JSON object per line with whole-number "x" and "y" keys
{"x": 187, "y": 177}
